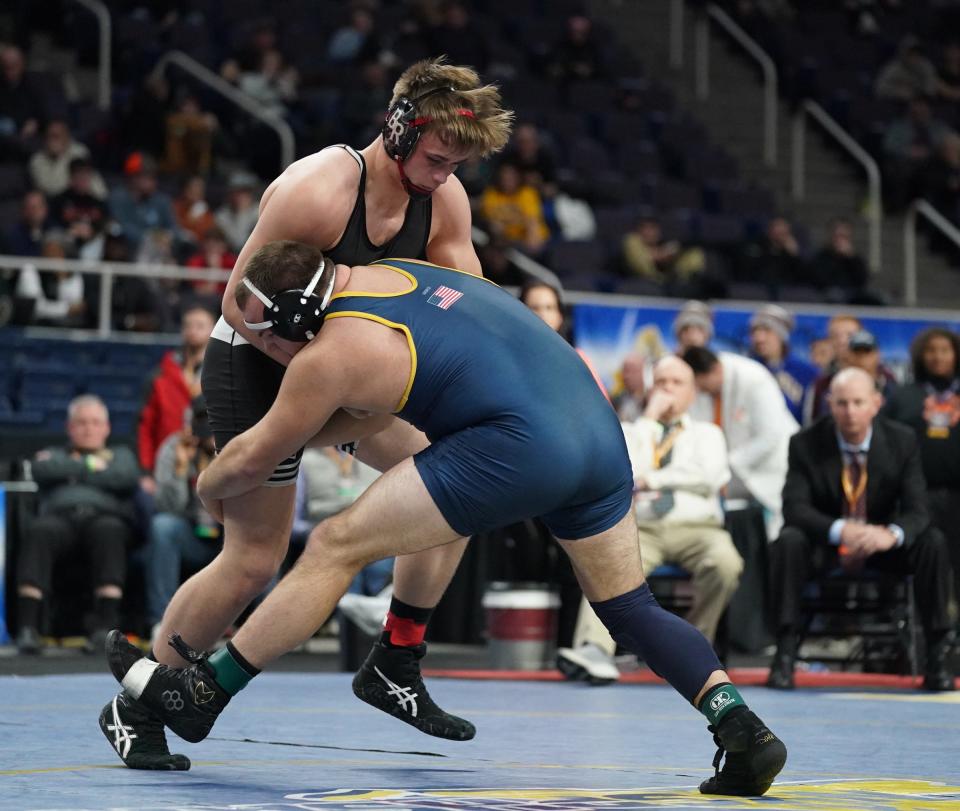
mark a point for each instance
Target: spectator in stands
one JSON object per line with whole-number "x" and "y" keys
{"x": 833, "y": 518}
{"x": 578, "y": 55}
{"x": 273, "y": 85}
{"x": 192, "y": 209}
{"x": 458, "y": 36}
{"x": 143, "y": 119}
{"x": 190, "y": 131}
{"x": 531, "y": 156}
{"x": 56, "y": 298}
{"x": 357, "y": 42}
{"x": 863, "y": 352}
{"x": 631, "y": 398}
{"x": 182, "y": 533}
{"x": 82, "y": 212}
{"x": 693, "y": 326}
{"x": 679, "y": 468}
{"x": 909, "y": 75}
{"x": 944, "y": 182}
{"x": 770, "y": 328}
{"x": 948, "y": 74}
{"x": 139, "y": 207}
{"x": 175, "y": 383}
{"x": 213, "y": 253}
{"x": 647, "y": 255}
{"x": 821, "y": 354}
{"x": 22, "y": 106}
{"x": 775, "y": 260}
{"x": 238, "y": 216}
{"x": 839, "y": 329}
{"x": 85, "y": 498}
{"x": 838, "y": 267}
{"x": 567, "y": 217}
{"x": 50, "y": 165}
{"x": 498, "y": 266}
{"x": 25, "y": 237}
{"x": 909, "y": 146}
{"x": 361, "y": 109}
{"x": 742, "y": 397}
{"x": 136, "y": 307}
{"x": 930, "y": 405}
{"x": 514, "y": 211}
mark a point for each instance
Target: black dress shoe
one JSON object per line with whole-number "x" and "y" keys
{"x": 781, "y": 673}
{"x": 938, "y": 676}
{"x": 28, "y": 641}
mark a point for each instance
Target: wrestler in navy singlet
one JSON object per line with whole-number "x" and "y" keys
{"x": 518, "y": 426}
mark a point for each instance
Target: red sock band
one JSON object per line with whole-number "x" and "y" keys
{"x": 404, "y": 632}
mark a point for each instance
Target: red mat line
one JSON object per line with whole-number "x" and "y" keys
{"x": 745, "y": 676}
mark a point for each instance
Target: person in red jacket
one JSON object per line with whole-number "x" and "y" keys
{"x": 175, "y": 383}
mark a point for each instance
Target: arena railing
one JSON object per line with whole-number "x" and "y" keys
{"x": 923, "y": 209}
{"x": 100, "y": 11}
{"x": 108, "y": 271}
{"x": 238, "y": 97}
{"x": 857, "y": 152}
{"x": 702, "y": 69}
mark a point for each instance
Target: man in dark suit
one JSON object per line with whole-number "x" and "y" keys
{"x": 855, "y": 497}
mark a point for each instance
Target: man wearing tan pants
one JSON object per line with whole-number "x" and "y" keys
{"x": 679, "y": 467}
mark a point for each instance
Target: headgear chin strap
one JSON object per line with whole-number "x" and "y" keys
{"x": 401, "y": 130}
{"x": 297, "y": 314}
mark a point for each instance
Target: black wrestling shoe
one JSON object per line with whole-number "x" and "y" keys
{"x": 754, "y": 756}
{"x": 137, "y": 736}
{"x": 188, "y": 700}
{"x": 390, "y": 680}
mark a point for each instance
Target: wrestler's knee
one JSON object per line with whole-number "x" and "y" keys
{"x": 334, "y": 542}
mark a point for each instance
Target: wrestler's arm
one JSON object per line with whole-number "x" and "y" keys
{"x": 297, "y": 206}
{"x": 451, "y": 238}
{"x": 359, "y": 364}
{"x": 299, "y": 413}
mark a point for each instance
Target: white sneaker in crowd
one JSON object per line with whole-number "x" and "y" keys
{"x": 367, "y": 613}
{"x": 587, "y": 663}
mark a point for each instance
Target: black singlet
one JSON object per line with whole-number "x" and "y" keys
{"x": 355, "y": 247}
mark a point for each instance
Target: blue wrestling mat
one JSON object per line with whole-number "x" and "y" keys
{"x": 302, "y": 741}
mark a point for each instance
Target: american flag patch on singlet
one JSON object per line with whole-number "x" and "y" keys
{"x": 444, "y": 297}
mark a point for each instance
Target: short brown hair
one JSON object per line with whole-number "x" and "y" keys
{"x": 486, "y": 131}
{"x": 283, "y": 265}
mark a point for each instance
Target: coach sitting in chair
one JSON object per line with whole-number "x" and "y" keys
{"x": 855, "y": 497}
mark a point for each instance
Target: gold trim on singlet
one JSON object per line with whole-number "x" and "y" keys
{"x": 431, "y": 265}
{"x": 410, "y": 277}
{"x": 393, "y": 325}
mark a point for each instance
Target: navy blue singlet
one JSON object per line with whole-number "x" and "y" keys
{"x": 518, "y": 425}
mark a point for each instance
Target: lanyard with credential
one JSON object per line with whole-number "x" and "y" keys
{"x": 665, "y": 444}
{"x": 853, "y": 496}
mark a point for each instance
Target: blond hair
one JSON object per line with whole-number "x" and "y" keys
{"x": 486, "y": 131}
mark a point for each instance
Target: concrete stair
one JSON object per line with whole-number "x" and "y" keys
{"x": 733, "y": 113}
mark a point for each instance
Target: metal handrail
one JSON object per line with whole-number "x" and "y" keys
{"x": 798, "y": 148}
{"x": 676, "y": 34}
{"x": 767, "y": 66}
{"x": 947, "y": 228}
{"x": 100, "y": 11}
{"x": 521, "y": 260}
{"x": 107, "y": 270}
{"x": 241, "y": 99}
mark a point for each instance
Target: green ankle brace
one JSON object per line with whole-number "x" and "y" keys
{"x": 229, "y": 673}
{"x": 719, "y": 700}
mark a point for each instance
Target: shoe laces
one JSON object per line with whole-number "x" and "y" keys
{"x": 720, "y": 750}
{"x": 184, "y": 651}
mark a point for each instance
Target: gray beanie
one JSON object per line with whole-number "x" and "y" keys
{"x": 694, "y": 314}
{"x": 776, "y": 318}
